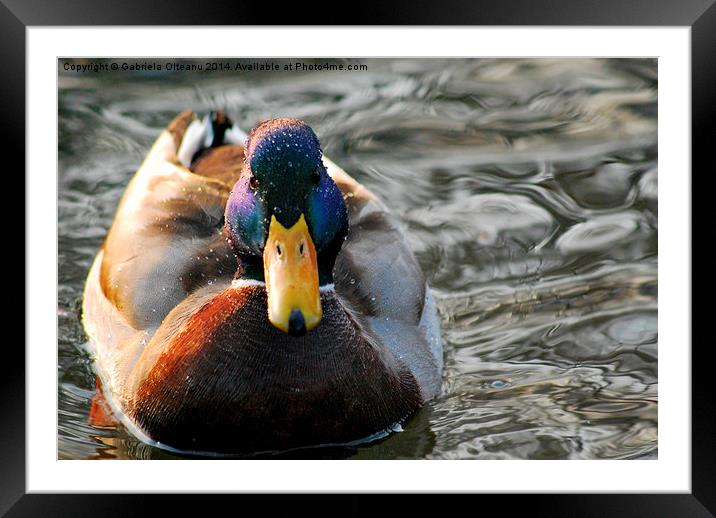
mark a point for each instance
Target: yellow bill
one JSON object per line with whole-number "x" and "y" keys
{"x": 291, "y": 273}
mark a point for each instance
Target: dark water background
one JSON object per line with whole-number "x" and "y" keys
{"x": 527, "y": 189}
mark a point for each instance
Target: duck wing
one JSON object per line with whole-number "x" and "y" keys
{"x": 166, "y": 240}
{"x": 382, "y": 285}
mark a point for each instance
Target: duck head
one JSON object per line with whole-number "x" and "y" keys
{"x": 286, "y": 221}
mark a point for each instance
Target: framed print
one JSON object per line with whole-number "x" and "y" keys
{"x": 480, "y": 209}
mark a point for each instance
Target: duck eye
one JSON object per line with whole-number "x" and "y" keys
{"x": 316, "y": 176}
{"x": 253, "y": 182}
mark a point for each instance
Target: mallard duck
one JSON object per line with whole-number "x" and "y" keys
{"x": 251, "y": 296}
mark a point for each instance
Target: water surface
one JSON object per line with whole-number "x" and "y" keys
{"x": 527, "y": 190}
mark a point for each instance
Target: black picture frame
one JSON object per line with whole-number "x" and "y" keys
{"x": 700, "y": 15}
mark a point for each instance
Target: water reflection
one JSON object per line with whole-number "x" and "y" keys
{"x": 528, "y": 190}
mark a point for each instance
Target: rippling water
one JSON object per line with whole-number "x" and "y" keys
{"x": 528, "y": 191}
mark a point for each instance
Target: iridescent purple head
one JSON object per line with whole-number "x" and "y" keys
{"x": 284, "y": 177}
